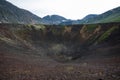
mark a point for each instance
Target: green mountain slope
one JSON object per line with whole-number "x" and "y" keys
{"x": 109, "y": 16}
{"x": 106, "y": 17}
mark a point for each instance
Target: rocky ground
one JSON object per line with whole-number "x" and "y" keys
{"x": 15, "y": 66}
{"x": 79, "y": 52}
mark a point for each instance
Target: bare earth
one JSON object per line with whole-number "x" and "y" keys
{"x": 15, "y": 66}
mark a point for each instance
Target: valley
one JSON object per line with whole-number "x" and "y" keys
{"x": 53, "y": 47}
{"x": 59, "y": 52}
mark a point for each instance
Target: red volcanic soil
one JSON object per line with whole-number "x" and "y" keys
{"x": 15, "y": 66}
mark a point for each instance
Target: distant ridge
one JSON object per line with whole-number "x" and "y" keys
{"x": 106, "y": 17}
{"x": 53, "y": 19}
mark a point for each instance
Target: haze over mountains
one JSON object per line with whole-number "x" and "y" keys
{"x": 12, "y": 14}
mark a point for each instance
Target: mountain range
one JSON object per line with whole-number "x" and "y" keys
{"x": 10, "y": 13}
{"x": 106, "y": 17}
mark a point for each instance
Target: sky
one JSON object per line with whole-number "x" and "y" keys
{"x": 70, "y": 9}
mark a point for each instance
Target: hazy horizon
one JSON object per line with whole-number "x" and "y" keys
{"x": 70, "y": 9}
